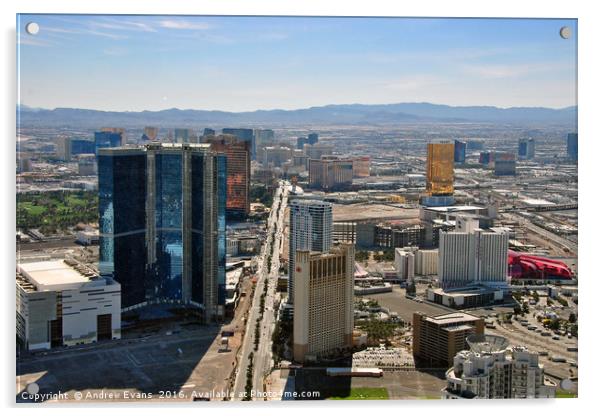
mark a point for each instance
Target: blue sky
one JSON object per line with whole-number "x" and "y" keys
{"x": 133, "y": 63}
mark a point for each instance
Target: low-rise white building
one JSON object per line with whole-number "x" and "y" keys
{"x": 62, "y": 302}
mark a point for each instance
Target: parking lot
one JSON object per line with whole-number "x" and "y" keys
{"x": 400, "y": 385}
{"x": 396, "y": 301}
{"x": 152, "y": 368}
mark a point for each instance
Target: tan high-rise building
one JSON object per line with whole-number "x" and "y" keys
{"x": 440, "y": 168}
{"x": 330, "y": 173}
{"x": 361, "y": 167}
{"x": 238, "y": 169}
{"x": 151, "y": 133}
{"x": 323, "y": 305}
{"x": 437, "y": 339}
{"x": 63, "y": 148}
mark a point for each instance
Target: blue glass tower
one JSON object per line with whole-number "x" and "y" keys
{"x": 171, "y": 200}
{"x": 459, "y": 151}
{"x": 82, "y": 146}
{"x": 571, "y": 146}
{"x": 104, "y": 139}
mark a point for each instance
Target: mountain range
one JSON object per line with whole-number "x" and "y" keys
{"x": 355, "y": 114}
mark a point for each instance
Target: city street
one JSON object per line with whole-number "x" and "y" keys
{"x": 262, "y": 357}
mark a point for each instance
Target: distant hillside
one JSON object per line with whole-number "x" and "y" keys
{"x": 329, "y": 114}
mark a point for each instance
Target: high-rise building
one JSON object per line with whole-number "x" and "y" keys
{"x": 310, "y": 228}
{"x": 440, "y": 168}
{"x": 263, "y": 137}
{"x": 361, "y": 166}
{"x": 485, "y": 158}
{"x": 238, "y": 171}
{"x": 208, "y": 132}
{"x": 571, "y": 146}
{"x": 317, "y": 150}
{"x": 312, "y": 138}
{"x": 162, "y": 224}
{"x": 426, "y": 262}
{"x": 330, "y": 173}
{"x": 24, "y": 164}
{"x": 437, "y": 339}
{"x": 118, "y": 130}
{"x": 82, "y": 147}
{"x": 323, "y": 305}
{"x": 459, "y": 151}
{"x": 301, "y": 142}
{"x": 185, "y": 136}
{"x": 470, "y": 255}
{"x": 526, "y": 148}
{"x": 404, "y": 263}
{"x": 504, "y": 164}
{"x": 244, "y": 135}
{"x": 491, "y": 370}
{"x": 106, "y": 139}
{"x": 150, "y": 133}
{"x": 274, "y": 156}
{"x": 63, "y": 148}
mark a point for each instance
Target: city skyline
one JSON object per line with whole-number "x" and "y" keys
{"x": 134, "y": 63}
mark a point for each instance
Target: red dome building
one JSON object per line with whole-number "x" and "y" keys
{"x": 528, "y": 267}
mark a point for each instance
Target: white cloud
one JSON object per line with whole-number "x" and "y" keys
{"x": 184, "y": 25}
{"x": 86, "y": 31}
{"x": 118, "y": 24}
{"x": 23, "y": 40}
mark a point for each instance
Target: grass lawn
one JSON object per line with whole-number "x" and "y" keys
{"x": 365, "y": 393}
{"x": 33, "y": 209}
{"x": 563, "y": 394}
{"x": 75, "y": 201}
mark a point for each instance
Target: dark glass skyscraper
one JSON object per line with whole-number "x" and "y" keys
{"x": 312, "y": 138}
{"x": 245, "y": 135}
{"x": 162, "y": 224}
{"x": 571, "y": 146}
{"x": 104, "y": 139}
{"x": 459, "y": 151}
{"x": 82, "y": 146}
{"x": 526, "y": 148}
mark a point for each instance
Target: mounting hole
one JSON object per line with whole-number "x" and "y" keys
{"x": 566, "y": 384}
{"x": 32, "y": 28}
{"x": 565, "y": 32}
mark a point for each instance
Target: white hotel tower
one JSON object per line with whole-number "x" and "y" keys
{"x": 310, "y": 229}
{"x": 470, "y": 255}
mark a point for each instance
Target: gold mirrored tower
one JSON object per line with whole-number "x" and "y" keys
{"x": 440, "y": 168}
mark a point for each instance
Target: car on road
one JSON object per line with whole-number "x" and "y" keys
{"x": 557, "y": 359}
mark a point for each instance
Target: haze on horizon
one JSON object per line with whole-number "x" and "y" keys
{"x": 136, "y": 63}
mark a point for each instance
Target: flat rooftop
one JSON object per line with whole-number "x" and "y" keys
{"x": 376, "y": 212}
{"x": 452, "y": 318}
{"x": 55, "y": 275}
{"x": 455, "y": 208}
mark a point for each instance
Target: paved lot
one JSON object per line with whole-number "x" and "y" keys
{"x": 146, "y": 364}
{"x": 184, "y": 362}
{"x": 399, "y": 384}
{"x": 397, "y": 302}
